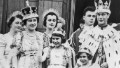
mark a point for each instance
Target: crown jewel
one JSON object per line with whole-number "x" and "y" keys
{"x": 29, "y": 11}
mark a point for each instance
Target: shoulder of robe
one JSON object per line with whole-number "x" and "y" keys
{"x": 78, "y": 31}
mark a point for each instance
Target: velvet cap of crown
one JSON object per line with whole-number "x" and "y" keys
{"x": 102, "y": 6}
{"x": 29, "y": 12}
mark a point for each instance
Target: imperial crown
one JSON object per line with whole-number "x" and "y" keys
{"x": 29, "y": 12}
{"x": 102, "y": 6}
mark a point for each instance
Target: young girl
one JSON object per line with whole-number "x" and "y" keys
{"x": 57, "y": 53}
{"x": 50, "y": 20}
{"x": 84, "y": 58}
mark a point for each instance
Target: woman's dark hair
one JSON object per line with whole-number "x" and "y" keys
{"x": 88, "y": 55}
{"x": 45, "y": 18}
{"x": 25, "y": 21}
{"x": 11, "y": 20}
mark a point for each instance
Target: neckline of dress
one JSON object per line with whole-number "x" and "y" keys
{"x": 29, "y": 35}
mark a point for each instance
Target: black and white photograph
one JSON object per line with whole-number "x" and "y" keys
{"x": 59, "y": 33}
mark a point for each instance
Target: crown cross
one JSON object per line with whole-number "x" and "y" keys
{"x": 25, "y": 12}
{"x": 100, "y": 2}
{"x": 27, "y": 3}
{"x": 106, "y": 5}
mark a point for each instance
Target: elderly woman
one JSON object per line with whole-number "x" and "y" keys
{"x": 9, "y": 40}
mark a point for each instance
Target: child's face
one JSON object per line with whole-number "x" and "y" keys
{"x": 56, "y": 41}
{"x": 83, "y": 58}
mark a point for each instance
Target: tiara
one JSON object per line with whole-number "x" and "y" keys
{"x": 15, "y": 13}
{"x": 58, "y": 32}
{"x": 102, "y": 7}
{"x": 48, "y": 11}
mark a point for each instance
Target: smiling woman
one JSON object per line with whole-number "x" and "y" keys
{"x": 11, "y": 49}
{"x": 32, "y": 40}
{"x": 9, "y": 6}
{"x": 31, "y": 24}
{"x": 50, "y": 20}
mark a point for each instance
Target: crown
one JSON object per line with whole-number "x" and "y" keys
{"x": 85, "y": 50}
{"x": 29, "y": 11}
{"x": 102, "y": 7}
{"x": 48, "y": 11}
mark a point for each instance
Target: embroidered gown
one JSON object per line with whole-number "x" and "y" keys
{"x": 58, "y": 58}
{"x": 31, "y": 50}
{"x": 11, "y": 50}
{"x": 2, "y": 50}
{"x": 46, "y": 42}
{"x": 108, "y": 38}
{"x": 46, "y": 39}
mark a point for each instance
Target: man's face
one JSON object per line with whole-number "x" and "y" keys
{"x": 56, "y": 40}
{"x": 102, "y": 18}
{"x": 89, "y": 18}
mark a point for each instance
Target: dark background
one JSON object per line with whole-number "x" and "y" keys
{"x": 82, "y": 4}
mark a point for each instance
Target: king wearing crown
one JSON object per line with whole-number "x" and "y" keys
{"x": 103, "y": 40}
